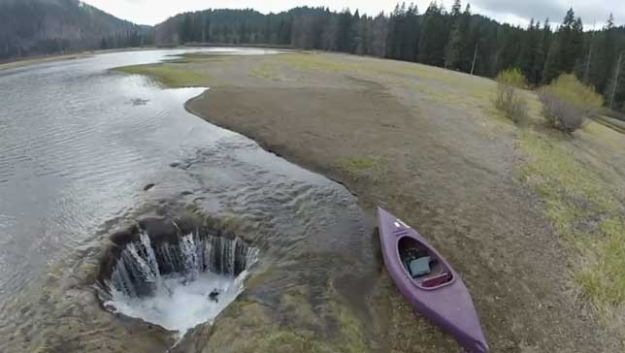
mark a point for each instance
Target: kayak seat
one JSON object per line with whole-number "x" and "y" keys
{"x": 437, "y": 280}
{"x": 420, "y": 267}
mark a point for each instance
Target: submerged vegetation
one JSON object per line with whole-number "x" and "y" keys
{"x": 168, "y": 74}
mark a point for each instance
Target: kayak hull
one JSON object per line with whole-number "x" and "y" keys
{"x": 449, "y": 304}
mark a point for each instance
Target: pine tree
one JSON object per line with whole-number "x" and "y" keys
{"x": 379, "y": 36}
{"x": 410, "y": 41}
{"x": 455, "y": 45}
{"x": 394, "y": 33}
{"x": 455, "y": 9}
{"x": 566, "y": 49}
{"x": 576, "y": 46}
{"x": 616, "y": 86}
{"x": 453, "y": 52}
{"x": 186, "y": 31}
{"x": 404, "y": 33}
{"x": 590, "y": 51}
{"x": 543, "y": 38}
{"x": 206, "y": 30}
{"x": 529, "y": 44}
{"x": 356, "y": 34}
{"x": 603, "y": 60}
{"x": 553, "y": 65}
{"x": 571, "y": 41}
{"x": 345, "y": 36}
{"x": 433, "y": 37}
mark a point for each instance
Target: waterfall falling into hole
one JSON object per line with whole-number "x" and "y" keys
{"x": 178, "y": 285}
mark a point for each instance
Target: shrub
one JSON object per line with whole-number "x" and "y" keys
{"x": 561, "y": 114}
{"x": 512, "y": 77}
{"x": 508, "y": 99}
{"x": 567, "y": 103}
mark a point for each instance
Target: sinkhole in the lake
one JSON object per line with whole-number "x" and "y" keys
{"x": 180, "y": 283}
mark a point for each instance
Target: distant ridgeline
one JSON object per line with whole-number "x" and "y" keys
{"x": 35, "y": 27}
{"x": 455, "y": 39}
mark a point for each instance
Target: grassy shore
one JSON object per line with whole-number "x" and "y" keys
{"x": 533, "y": 219}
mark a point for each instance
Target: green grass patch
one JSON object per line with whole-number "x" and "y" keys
{"x": 371, "y": 168}
{"x": 358, "y": 164}
{"x": 353, "y": 339}
{"x": 602, "y": 278}
{"x": 436, "y": 76}
{"x": 584, "y": 209}
{"x": 301, "y": 332}
{"x": 315, "y": 62}
{"x": 349, "y": 338}
{"x": 284, "y": 341}
{"x": 266, "y": 71}
{"x": 169, "y": 74}
{"x": 194, "y": 58}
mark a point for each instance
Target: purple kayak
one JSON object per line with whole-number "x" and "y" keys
{"x": 427, "y": 280}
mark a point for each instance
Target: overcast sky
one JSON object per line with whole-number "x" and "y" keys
{"x": 512, "y": 11}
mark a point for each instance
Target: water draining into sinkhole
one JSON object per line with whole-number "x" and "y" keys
{"x": 177, "y": 285}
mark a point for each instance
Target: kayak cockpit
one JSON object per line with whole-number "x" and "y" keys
{"x": 423, "y": 267}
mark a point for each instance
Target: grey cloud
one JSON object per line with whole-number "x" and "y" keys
{"x": 589, "y": 11}
{"x": 599, "y": 10}
{"x": 538, "y": 9}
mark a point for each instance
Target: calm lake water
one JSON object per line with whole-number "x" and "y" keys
{"x": 79, "y": 143}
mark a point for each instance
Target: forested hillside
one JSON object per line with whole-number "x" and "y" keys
{"x": 30, "y": 27}
{"x": 456, "y": 39}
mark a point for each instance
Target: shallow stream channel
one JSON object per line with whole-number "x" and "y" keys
{"x": 128, "y": 224}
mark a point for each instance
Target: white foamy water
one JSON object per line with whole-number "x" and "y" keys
{"x": 178, "y": 286}
{"x": 180, "y": 306}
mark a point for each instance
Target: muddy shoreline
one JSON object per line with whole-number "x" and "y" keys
{"x": 397, "y": 148}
